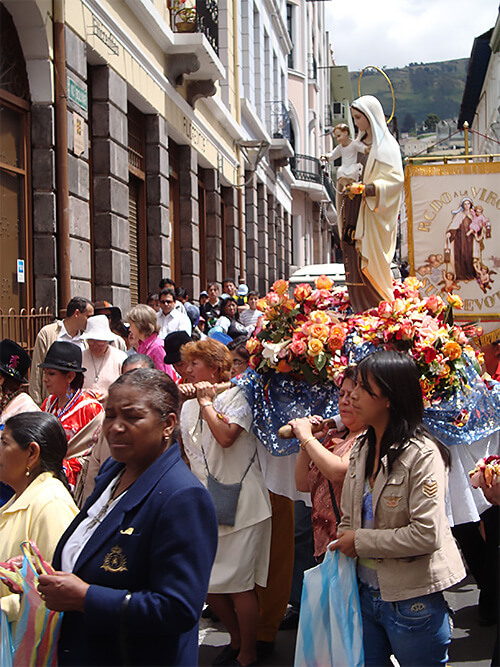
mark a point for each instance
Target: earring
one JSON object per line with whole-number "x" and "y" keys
{"x": 28, "y": 472}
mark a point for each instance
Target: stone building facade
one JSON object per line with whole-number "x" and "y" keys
{"x": 144, "y": 174}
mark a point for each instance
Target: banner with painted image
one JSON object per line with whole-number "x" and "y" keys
{"x": 454, "y": 233}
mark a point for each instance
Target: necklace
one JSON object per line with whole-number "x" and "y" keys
{"x": 102, "y": 512}
{"x": 97, "y": 371}
{"x": 59, "y": 413}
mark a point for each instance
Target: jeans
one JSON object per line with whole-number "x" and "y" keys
{"x": 417, "y": 631}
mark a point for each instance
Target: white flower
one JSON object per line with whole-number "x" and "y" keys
{"x": 271, "y": 350}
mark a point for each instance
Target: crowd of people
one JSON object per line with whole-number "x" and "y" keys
{"x": 130, "y": 459}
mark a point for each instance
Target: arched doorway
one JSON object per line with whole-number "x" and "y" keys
{"x": 15, "y": 247}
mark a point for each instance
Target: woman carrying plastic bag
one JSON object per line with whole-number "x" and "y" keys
{"x": 330, "y": 630}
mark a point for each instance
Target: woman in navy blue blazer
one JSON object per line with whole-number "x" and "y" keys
{"x": 135, "y": 563}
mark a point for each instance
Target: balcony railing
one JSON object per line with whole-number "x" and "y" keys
{"x": 280, "y": 121}
{"x": 306, "y": 168}
{"x": 203, "y": 17}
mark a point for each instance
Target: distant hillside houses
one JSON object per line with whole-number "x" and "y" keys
{"x": 450, "y": 142}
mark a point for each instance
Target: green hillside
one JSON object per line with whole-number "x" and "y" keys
{"x": 420, "y": 88}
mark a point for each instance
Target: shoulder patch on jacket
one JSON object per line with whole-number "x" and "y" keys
{"x": 430, "y": 487}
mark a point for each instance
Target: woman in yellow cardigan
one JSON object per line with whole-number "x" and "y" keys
{"x": 32, "y": 448}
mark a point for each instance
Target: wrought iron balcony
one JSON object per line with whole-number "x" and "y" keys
{"x": 306, "y": 168}
{"x": 201, "y": 17}
{"x": 280, "y": 121}
{"x": 309, "y": 169}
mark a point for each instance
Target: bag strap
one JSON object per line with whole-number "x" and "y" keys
{"x": 334, "y": 503}
{"x": 244, "y": 474}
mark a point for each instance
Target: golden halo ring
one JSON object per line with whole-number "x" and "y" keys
{"x": 388, "y": 81}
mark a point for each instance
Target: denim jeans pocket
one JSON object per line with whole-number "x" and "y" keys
{"x": 415, "y": 610}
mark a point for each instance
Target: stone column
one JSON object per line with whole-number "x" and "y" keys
{"x": 272, "y": 252}
{"x": 288, "y": 242}
{"x": 230, "y": 197}
{"x": 280, "y": 242}
{"x": 78, "y": 171}
{"x": 43, "y": 182}
{"x": 189, "y": 220}
{"x": 213, "y": 227}
{"x": 252, "y": 231}
{"x": 110, "y": 183}
{"x": 316, "y": 225}
{"x": 159, "y": 232}
{"x": 262, "y": 214}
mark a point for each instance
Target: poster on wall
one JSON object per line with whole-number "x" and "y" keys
{"x": 454, "y": 233}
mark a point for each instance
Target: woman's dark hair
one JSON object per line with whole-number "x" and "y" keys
{"x": 10, "y": 384}
{"x": 159, "y": 390}
{"x": 77, "y": 382}
{"x": 239, "y": 346}
{"x": 350, "y": 373}
{"x": 47, "y": 431}
{"x": 396, "y": 374}
{"x": 224, "y": 304}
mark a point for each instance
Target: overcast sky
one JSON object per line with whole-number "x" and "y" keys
{"x": 394, "y": 33}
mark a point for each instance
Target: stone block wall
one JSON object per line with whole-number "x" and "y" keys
{"x": 78, "y": 169}
{"x": 251, "y": 232}
{"x": 213, "y": 227}
{"x": 159, "y": 232}
{"x": 230, "y": 197}
{"x": 263, "y": 223}
{"x": 189, "y": 220}
{"x": 44, "y": 205}
{"x": 110, "y": 194}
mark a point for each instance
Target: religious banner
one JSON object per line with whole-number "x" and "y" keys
{"x": 454, "y": 233}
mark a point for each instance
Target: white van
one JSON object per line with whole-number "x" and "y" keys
{"x": 336, "y": 272}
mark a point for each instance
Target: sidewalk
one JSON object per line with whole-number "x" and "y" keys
{"x": 472, "y": 645}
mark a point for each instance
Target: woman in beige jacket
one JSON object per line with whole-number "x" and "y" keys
{"x": 394, "y": 519}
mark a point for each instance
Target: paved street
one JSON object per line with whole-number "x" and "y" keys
{"x": 472, "y": 644}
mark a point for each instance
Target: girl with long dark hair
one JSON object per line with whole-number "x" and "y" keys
{"x": 394, "y": 519}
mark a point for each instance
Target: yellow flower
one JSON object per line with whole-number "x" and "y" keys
{"x": 320, "y": 316}
{"x": 280, "y": 286}
{"x": 455, "y": 301}
{"x": 319, "y": 331}
{"x": 254, "y": 346}
{"x": 452, "y": 350}
{"x": 314, "y": 347}
{"x": 262, "y": 305}
{"x": 323, "y": 282}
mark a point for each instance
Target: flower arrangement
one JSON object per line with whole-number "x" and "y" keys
{"x": 301, "y": 333}
{"x": 311, "y": 333}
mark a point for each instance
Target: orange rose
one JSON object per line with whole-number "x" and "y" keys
{"x": 283, "y": 366}
{"x": 302, "y": 291}
{"x": 452, "y": 350}
{"x": 319, "y": 331}
{"x": 280, "y": 286}
{"x": 444, "y": 371}
{"x": 324, "y": 282}
{"x": 254, "y": 346}
{"x": 336, "y": 338}
{"x": 314, "y": 347}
